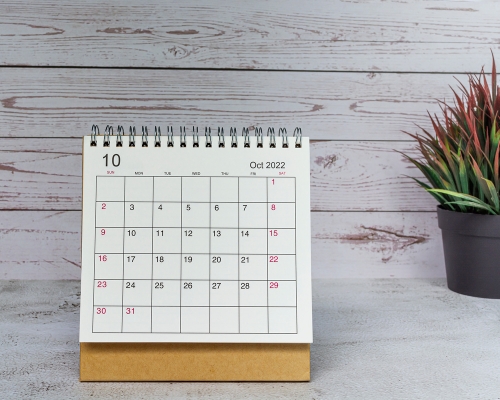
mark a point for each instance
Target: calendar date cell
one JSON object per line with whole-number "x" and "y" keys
{"x": 166, "y": 293}
{"x": 195, "y": 240}
{"x": 196, "y": 215}
{"x": 167, "y": 215}
{"x": 253, "y": 267}
{"x": 224, "y": 215}
{"x": 253, "y": 190}
{"x": 281, "y": 215}
{"x": 195, "y": 189}
{"x": 195, "y": 320}
{"x": 109, "y": 240}
{"x": 108, "y": 292}
{"x": 166, "y": 319}
{"x": 252, "y": 215}
{"x": 281, "y": 241}
{"x": 136, "y": 319}
{"x": 224, "y": 320}
{"x": 223, "y": 293}
{"x": 108, "y": 266}
{"x": 138, "y": 214}
{"x": 166, "y": 240}
{"x": 282, "y": 293}
{"x": 224, "y": 241}
{"x": 282, "y": 320}
{"x": 253, "y": 293}
{"x": 224, "y": 266}
{"x": 137, "y": 240}
{"x": 110, "y": 188}
{"x": 166, "y": 266}
{"x": 138, "y": 188}
{"x": 109, "y": 214}
{"x": 195, "y": 293}
{"x": 281, "y": 267}
{"x": 195, "y": 266}
{"x": 136, "y": 292}
{"x": 107, "y": 319}
{"x": 167, "y": 189}
{"x": 224, "y": 189}
{"x": 280, "y": 190}
{"x": 253, "y": 320}
{"x": 137, "y": 266}
{"x": 253, "y": 241}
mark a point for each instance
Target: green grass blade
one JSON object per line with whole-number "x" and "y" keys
{"x": 493, "y": 195}
{"x": 472, "y": 199}
{"x": 473, "y": 205}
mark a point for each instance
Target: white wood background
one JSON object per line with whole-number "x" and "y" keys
{"x": 353, "y": 74}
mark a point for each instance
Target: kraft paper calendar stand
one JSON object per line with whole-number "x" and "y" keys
{"x": 194, "y": 362}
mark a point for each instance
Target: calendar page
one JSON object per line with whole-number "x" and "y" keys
{"x": 196, "y": 244}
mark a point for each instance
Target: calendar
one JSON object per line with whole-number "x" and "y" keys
{"x": 196, "y": 238}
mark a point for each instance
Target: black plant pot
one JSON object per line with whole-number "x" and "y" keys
{"x": 471, "y": 252}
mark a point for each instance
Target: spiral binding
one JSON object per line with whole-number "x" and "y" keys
{"x": 93, "y": 137}
{"x": 131, "y": 138}
{"x": 234, "y": 137}
{"x": 258, "y": 134}
{"x": 272, "y": 137}
{"x": 297, "y": 133}
{"x": 220, "y": 133}
{"x": 107, "y": 133}
{"x": 144, "y": 136}
{"x": 196, "y": 139}
{"x": 157, "y": 136}
{"x": 245, "y": 133}
{"x": 282, "y": 133}
{"x": 183, "y": 136}
{"x": 208, "y": 137}
{"x": 119, "y": 134}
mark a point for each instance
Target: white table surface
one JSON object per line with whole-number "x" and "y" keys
{"x": 373, "y": 339}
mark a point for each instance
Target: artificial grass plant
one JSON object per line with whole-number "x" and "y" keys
{"x": 461, "y": 158}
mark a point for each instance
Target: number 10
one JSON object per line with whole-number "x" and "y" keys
{"x": 115, "y": 160}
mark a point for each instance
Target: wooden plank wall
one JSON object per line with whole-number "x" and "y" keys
{"x": 352, "y": 74}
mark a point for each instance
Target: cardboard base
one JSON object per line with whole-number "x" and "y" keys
{"x": 194, "y": 362}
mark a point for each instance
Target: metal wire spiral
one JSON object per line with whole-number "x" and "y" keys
{"x": 109, "y": 131}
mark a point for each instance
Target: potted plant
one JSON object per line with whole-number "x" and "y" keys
{"x": 460, "y": 160}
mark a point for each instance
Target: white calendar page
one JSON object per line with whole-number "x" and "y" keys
{"x": 186, "y": 244}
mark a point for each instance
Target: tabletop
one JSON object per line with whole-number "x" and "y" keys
{"x": 382, "y": 338}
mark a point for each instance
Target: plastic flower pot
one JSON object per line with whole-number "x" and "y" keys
{"x": 471, "y": 245}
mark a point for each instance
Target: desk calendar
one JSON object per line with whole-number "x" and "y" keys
{"x": 193, "y": 239}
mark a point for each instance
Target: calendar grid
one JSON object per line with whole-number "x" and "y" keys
{"x": 222, "y": 254}
{"x": 239, "y": 302}
{"x": 202, "y": 202}
{"x": 180, "y": 273}
{"x": 152, "y": 252}
{"x": 194, "y": 280}
{"x": 295, "y": 237}
{"x": 123, "y": 254}
{"x": 267, "y": 250}
{"x": 209, "y": 250}
{"x": 95, "y": 243}
{"x": 241, "y": 238}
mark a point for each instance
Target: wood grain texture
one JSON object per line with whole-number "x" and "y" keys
{"x": 43, "y": 174}
{"x": 376, "y": 244}
{"x": 40, "y": 174}
{"x": 366, "y": 176}
{"x": 350, "y": 106}
{"x": 324, "y": 35}
{"x": 46, "y": 245}
{"x": 40, "y": 245}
